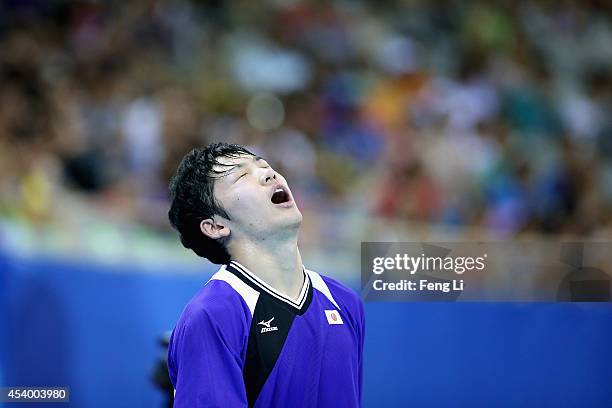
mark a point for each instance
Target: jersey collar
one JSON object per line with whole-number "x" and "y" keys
{"x": 257, "y": 283}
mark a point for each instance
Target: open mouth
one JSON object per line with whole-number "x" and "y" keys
{"x": 280, "y": 196}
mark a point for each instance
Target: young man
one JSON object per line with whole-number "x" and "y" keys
{"x": 264, "y": 331}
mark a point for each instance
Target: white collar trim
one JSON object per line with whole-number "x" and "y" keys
{"x": 270, "y": 290}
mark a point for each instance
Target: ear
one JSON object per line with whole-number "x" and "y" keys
{"x": 214, "y": 229}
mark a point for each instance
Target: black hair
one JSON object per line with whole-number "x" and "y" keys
{"x": 192, "y": 198}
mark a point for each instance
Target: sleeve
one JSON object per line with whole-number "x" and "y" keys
{"x": 205, "y": 368}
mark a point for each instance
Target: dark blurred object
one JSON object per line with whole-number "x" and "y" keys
{"x": 582, "y": 284}
{"x": 160, "y": 376}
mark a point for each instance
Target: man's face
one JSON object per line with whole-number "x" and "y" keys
{"x": 257, "y": 198}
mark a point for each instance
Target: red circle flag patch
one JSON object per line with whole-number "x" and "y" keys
{"x": 333, "y": 317}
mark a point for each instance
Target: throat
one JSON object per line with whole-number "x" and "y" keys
{"x": 280, "y": 269}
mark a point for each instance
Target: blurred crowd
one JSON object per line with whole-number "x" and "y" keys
{"x": 479, "y": 114}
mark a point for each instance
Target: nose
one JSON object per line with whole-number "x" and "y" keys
{"x": 268, "y": 176}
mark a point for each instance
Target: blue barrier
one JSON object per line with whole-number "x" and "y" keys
{"x": 95, "y": 328}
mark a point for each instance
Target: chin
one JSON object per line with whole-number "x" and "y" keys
{"x": 299, "y": 217}
{"x": 296, "y": 216}
{"x": 292, "y": 218}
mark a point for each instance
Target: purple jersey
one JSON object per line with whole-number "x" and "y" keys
{"x": 241, "y": 343}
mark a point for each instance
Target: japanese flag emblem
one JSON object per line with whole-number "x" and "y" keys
{"x": 333, "y": 317}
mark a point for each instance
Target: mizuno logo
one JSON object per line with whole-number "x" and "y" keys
{"x": 267, "y": 327}
{"x": 267, "y": 324}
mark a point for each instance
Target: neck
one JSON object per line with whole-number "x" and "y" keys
{"x": 275, "y": 261}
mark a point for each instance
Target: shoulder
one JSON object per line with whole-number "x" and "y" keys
{"x": 216, "y": 308}
{"x": 214, "y": 300}
{"x": 345, "y": 297}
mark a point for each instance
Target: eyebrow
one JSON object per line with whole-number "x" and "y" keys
{"x": 233, "y": 167}
{"x": 254, "y": 158}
